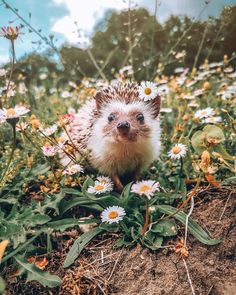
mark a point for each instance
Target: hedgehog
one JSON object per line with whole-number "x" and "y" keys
{"x": 121, "y": 131}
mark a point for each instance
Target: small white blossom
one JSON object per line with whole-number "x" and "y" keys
{"x": 178, "y": 151}
{"x": 102, "y": 185}
{"x": 2, "y": 72}
{"x": 147, "y": 91}
{"x": 13, "y": 113}
{"x": 49, "y": 130}
{"x": 204, "y": 113}
{"x": 146, "y": 188}
{"x": 22, "y": 89}
{"x": 76, "y": 168}
{"x": 113, "y": 214}
{"x": 65, "y": 94}
{"x": 212, "y": 120}
{"x": 43, "y": 76}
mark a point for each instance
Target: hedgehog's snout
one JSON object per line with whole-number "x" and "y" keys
{"x": 123, "y": 126}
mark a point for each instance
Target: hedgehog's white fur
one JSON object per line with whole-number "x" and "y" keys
{"x": 112, "y": 158}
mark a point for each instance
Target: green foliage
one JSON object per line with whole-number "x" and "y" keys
{"x": 79, "y": 245}
{"x": 2, "y": 285}
{"x": 202, "y": 140}
{"x": 36, "y": 274}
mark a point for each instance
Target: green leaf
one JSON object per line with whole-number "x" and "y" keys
{"x": 86, "y": 184}
{"x": 165, "y": 228}
{"x": 52, "y": 202}
{"x": 153, "y": 244}
{"x": 2, "y": 285}
{"x": 40, "y": 169}
{"x": 38, "y": 219}
{"x": 214, "y": 131}
{"x": 197, "y": 141}
{"x": 221, "y": 150}
{"x": 229, "y": 181}
{"x": 65, "y": 205}
{"x": 65, "y": 223}
{"x": 125, "y": 195}
{"x": 114, "y": 227}
{"x": 107, "y": 201}
{"x": 14, "y": 232}
{"x": 195, "y": 229}
{"x": 79, "y": 245}
{"x": 72, "y": 191}
{"x": 36, "y": 274}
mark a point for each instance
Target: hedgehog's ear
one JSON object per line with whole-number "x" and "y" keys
{"x": 155, "y": 105}
{"x": 99, "y": 100}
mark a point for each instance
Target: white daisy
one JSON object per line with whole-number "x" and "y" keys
{"x": 43, "y": 76}
{"x": 204, "y": 113}
{"x": 166, "y": 110}
{"x": 147, "y": 91}
{"x": 102, "y": 185}
{"x": 178, "y": 151}
{"x": 22, "y": 89}
{"x": 49, "y": 150}
{"x": 65, "y": 94}
{"x": 49, "y": 131}
{"x": 113, "y": 214}
{"x": 146, "y": 188}
{"x": 76, "y": 168}
{"x": 3, "y": 72}
{"x": 21, "y": 126}
{"x": 13, "y": 113}
{"x": 198, "y": 92}
{"x": 213, "y": 120}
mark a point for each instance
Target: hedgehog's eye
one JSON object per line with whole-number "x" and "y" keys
{"x": 140, "y": 117}
{"x": 111, "y": 117}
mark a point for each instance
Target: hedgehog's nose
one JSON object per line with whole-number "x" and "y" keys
{"x": 124, "y": 125}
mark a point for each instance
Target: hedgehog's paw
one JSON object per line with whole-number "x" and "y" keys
{"x": 118, "y": 184}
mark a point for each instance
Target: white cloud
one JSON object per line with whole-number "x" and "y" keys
{"x": 84, "y": 14}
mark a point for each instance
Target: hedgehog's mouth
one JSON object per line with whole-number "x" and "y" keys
{"x": 128, "y": 136}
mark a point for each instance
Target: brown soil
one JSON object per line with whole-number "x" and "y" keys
{"x": 101, "y": 269}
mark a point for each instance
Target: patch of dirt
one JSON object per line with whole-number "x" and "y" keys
{"x": 101, "y": 269}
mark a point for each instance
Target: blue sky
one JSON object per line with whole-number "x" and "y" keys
{"x": 58, "y": 17}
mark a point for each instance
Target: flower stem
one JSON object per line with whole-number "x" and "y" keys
{"x": 145, "y": 227}
{"x": 11, "y": 70}
{"x": 11, "y": 155}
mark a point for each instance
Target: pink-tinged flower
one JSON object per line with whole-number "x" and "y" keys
{"x": 10, "y": 32}
{"x": 73, "y": 170}
{"x": 146, "y": 188}
{"x": 21, "y": 126}
{"x": 49, "y": 150}
{"x": 66, "y": 119}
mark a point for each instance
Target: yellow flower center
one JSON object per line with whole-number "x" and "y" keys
{"x": 145, "y": 188}
{"x": 99, "y": 187}
{"x": 11, "y": 113}
{"x": 176, "y": 150}
{"x": 147, "y": 91}
{"x": 113, "y": 214}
